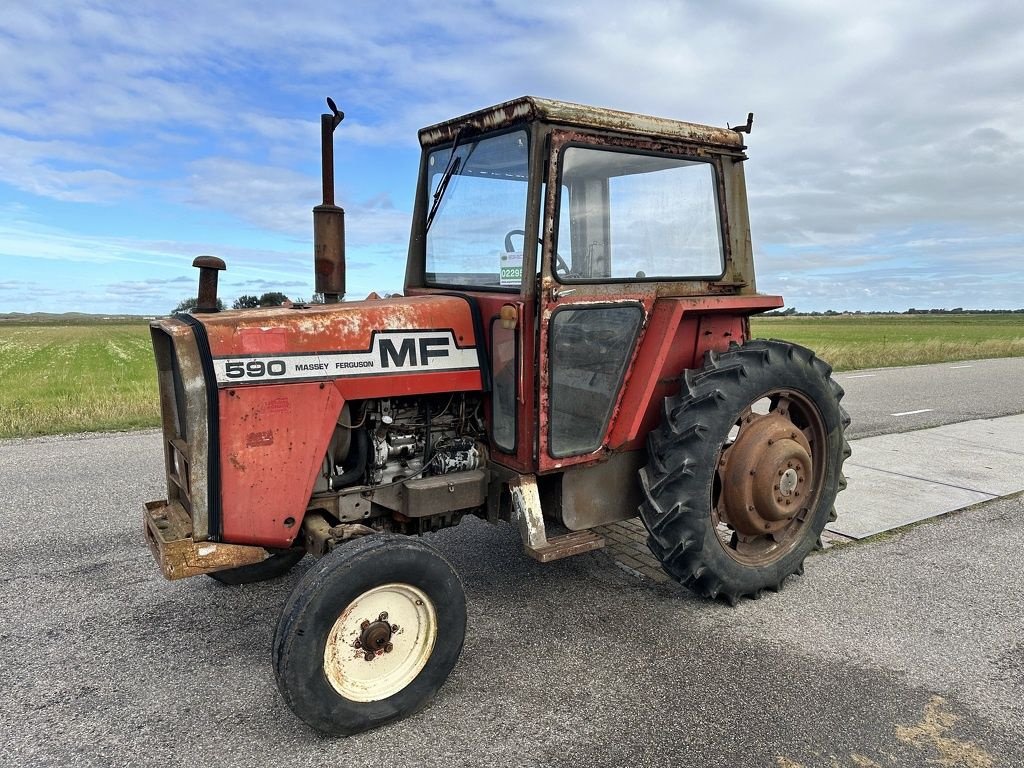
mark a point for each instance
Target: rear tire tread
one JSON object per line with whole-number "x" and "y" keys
{"x": 676, "y": 484}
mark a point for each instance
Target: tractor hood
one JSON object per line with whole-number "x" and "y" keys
{"x": 395, "y": 337}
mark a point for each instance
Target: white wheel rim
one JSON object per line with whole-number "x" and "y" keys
{"x": 345, "y": 664}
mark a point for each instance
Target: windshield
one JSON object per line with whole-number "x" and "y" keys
{"x": 476, "y": 236}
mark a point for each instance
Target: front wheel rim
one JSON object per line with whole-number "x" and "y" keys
{"x": 380, "y": 642}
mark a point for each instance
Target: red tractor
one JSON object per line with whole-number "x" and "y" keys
{"x": 573, "y": 345}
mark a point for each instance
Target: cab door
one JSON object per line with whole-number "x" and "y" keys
{"x": 589, "y": 326}
{"x": 626, "y": 221}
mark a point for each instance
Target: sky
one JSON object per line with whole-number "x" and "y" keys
{"x": 886, "y": 164}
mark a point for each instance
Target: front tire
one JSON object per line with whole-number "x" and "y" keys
{"x": 744, "y": 469}
{"x": 370, "y": 634}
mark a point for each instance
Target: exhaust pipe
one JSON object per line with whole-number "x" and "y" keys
{"x": 329, "y": 219}
{"x": 208, "y": 266}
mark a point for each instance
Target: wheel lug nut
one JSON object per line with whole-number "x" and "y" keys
{"x": 368, "y": 656}
{"x": 388, "y": 648}
{"x": 365, "y": 624}
{"x": 394, "y": 627}
{"x": 383, "y": 616}
{"x": 357, "y": 644}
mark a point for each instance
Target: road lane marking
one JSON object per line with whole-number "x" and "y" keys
{"x": 911, "y": 413}
{"x": 952, "y": 367}
{"x": 861, "y": 376}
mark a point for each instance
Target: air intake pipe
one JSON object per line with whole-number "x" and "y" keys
{"x": 329, "y": 219}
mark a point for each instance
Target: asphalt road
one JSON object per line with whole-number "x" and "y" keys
{"x": 884, "y": 400}
{"x": 900, "y": 651}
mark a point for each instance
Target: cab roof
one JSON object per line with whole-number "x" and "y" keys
{"x": 531, "y": 108}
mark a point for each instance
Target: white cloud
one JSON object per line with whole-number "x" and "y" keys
{"x": 875, "y": 123}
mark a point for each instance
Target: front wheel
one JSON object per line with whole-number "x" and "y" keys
{"x": 744, "y": 469}
{"x": 370, "y": 634}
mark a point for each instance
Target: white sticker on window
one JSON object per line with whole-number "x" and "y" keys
{"x": 511, "y": 269}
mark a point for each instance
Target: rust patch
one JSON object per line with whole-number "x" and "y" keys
{"x": 278, "y": 405}
{"x": 259, "y": 439}
{"x": 168, "y": 529}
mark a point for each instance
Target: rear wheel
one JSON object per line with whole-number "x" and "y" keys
{"x": 744, "y": 469}
{"x": 370, "y": 634}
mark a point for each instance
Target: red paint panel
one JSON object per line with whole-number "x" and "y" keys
{"x": 680, "y": 331}
{"x": 666, "y": 349}
{"x": 272, "y": 440}
{"x": 360, "y": 388}
{"x": 490, "y": 304}
{"x": 715, "y": 333}
{"x": 343, "y": 327}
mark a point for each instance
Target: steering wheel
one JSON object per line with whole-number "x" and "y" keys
{"x": 560, "y": 265}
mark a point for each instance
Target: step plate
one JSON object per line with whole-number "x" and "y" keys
{"x": 567, "y": 545}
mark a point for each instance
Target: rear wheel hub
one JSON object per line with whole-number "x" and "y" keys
{"x": 767, "y": 472}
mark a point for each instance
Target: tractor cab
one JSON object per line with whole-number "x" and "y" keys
{"x": 604, "y": 252}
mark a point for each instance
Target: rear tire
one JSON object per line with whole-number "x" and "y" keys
{"x": 277, "y": 564}
{"x": 743, "y": 472}
{"x": 369, "y": 634}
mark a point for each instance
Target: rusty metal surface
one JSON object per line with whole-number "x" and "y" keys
{"x": 526, "y": 507}
{"x": 272, "y": 442}
{"x": 328, "y": 218}
{"x": 528, "y": 512}
{"x": 208, "y": 267}
{"x": 174, "y": 342}
{"x": 567, "y": 545}
{"x": 529, "y": 108}
{"x": 169, "y": 535}
{"x": 766, "y": 473}
{"x": 603, "y": 493}
{"x": 770, "y": 477}
{"x": 319, "y": 537}
{"x": 444, "y": 493}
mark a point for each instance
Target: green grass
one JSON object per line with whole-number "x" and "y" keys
{"x": 75, "y": 374}
{"x": 57, "y": 378}
{"x": 878, "y": 341}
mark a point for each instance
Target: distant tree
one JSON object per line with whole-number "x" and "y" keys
{"x": 189, "y": 305}
{"x": 246, "y": 301}
{"x": 273, "y": 299}
{"x": 789, "y": 311}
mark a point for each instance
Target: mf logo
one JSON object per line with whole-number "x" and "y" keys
{"x": 412, "y": 351}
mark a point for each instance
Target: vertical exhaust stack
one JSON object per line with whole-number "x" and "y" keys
{"x": 208, "y": 267}
{"x": 329, "y": 219}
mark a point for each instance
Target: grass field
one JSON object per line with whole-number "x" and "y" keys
{"x": 61, "y": 376}
{"x": 878, "y": 341}
{"x": 57, "y": 378}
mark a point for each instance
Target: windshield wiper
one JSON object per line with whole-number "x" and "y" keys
{"x": 449, "y": 170}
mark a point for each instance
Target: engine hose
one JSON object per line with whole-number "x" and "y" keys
{"x": 356, "y": 472}
{"x": 427, "y": 452}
